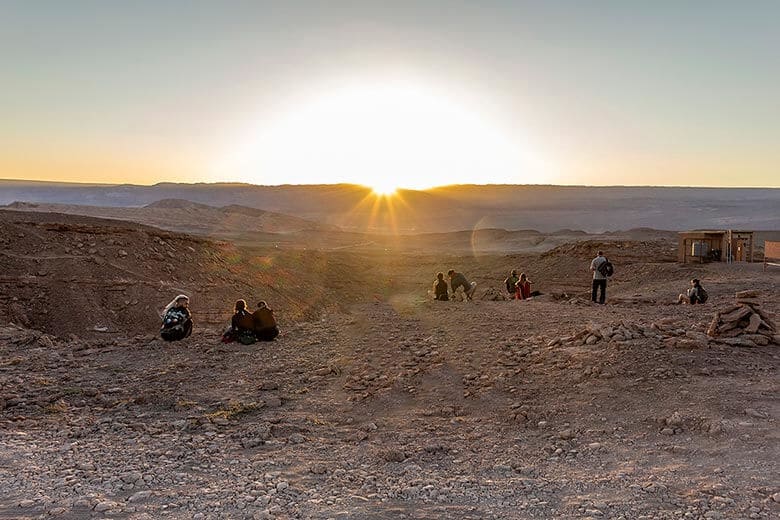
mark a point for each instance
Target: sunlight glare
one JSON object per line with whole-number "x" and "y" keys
{"x": 385, "y": 136}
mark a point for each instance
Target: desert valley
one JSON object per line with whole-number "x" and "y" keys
{"x": 376, "y": 402}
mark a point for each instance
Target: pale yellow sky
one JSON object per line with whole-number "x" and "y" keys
{"x": 409, "y": 93}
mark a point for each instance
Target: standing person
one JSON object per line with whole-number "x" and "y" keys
{"x": 599, "y": 279}
{"x": 176, "y": 319}
{"x": 458, "y": 280}
{"x": 265, "y": 322}
{"x": 440, "y": 288}
{"x": 511, "y": 283}
{"x": 523, "y": 286}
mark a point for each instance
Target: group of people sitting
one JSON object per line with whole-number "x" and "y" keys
{"x": 458, "y": 281}
{"x": 245, "y": 327}
{"x": 519, "y": 287}
{"x": 248, "y": 327}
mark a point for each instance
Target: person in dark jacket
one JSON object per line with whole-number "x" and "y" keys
{"x": 264, "y": 322}
{"x": 241, "y": 326}
{"x": 459, "y": 280}
{"x": 176, "y": 319}
{"x": 440, "y": 291}
{"x": 511, "y": 283}
{"x": 242, "y": 318}
{"x": 694, "y": 294}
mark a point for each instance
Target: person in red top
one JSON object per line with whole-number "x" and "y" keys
{"x": 523, "y": 288}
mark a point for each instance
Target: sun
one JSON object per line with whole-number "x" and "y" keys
{"x": 384, "y": 188}
{"x": 387, "y": 135}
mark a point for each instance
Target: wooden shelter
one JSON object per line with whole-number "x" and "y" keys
{"x": 715, "y": 246}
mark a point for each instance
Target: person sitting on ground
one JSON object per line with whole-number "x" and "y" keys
{"x": 241, "y": 326}
{"x": 264, "y": 322}
{"x": 695, "y": 294}
{"x": 176, "y": 319}
{"x": 511, "y": 283}
{"x": 523, "y": 287}
{"x": 440, "y": 291}
{"x": 459, "y": 280}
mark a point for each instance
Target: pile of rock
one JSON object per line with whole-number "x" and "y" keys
{"x": 744, "y": 324}
{"x": 493, "y": 294}
{"x": 623, "y": 330}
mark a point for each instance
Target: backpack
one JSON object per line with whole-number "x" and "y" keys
{"x": 246, "y": 337}
{"x": 702, "y": 295}
{"x": 174, "y": 333}
{"x": 606, "y": 268}
{"x": 510, "y": 288}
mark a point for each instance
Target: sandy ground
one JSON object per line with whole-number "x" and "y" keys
{"x": 375, "y": 402}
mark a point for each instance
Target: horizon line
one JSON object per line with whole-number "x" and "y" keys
{"x": 350, "y": 184}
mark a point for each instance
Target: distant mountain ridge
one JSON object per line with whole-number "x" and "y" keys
{"x": 451, "y": 208}
{"x": 190, "y": 217}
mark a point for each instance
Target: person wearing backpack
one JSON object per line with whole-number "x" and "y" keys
{"x": 176, "y": 319}
{"x": 511, "y": 283}
{"x": 601, "y": 268}
{"x": 695, "y": 294}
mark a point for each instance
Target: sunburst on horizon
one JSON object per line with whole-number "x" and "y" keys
{"x": 387, "y": 135}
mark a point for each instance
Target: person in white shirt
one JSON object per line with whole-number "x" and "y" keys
{"x": 599, "y": 280}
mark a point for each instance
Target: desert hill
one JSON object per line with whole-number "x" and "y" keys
{"x": 188, "y": 217}
{"x": 451, "y": 208}
{"x": 376, "y": 402}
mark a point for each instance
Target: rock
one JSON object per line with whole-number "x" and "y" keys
{"x": 105, "y": 505}
{"x": 754, "y": 324}
{"x": 296, "y": 438}
{"x": 281, "y": 486}
{"x": 758, "y": 339}
{"x": 591, "y": 339}
{"x": 736, "y": 315}
{"x": 667, "y": 431}
{"x": 750, "y": 293}
{"x": 273, "y": 402}
{"x": 776, "y": 497}
{"x": 566, "y": 434}
{"x": 751, "y": 412}
{"x": 737, "y": 342}
{"x": 393, "y": 455}
{"x": 689, "y": 343}
{"x": 140, "y": 496}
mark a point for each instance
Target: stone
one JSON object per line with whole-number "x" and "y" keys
{"x": 750, "y": 293}
{"x": 566, "y": 434}
{"x": 737, "y": 342}
{"x": 140, "y": 496}
{"x": 754, "y": 324}
{"x": 736, "y": 315}
{"x": 758, "y": 339}
{"x": 106, "y": 505}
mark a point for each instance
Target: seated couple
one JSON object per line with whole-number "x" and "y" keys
{"x": 246, "y": 327}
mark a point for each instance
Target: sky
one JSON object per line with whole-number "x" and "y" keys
{"x": 387, "y": 94}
